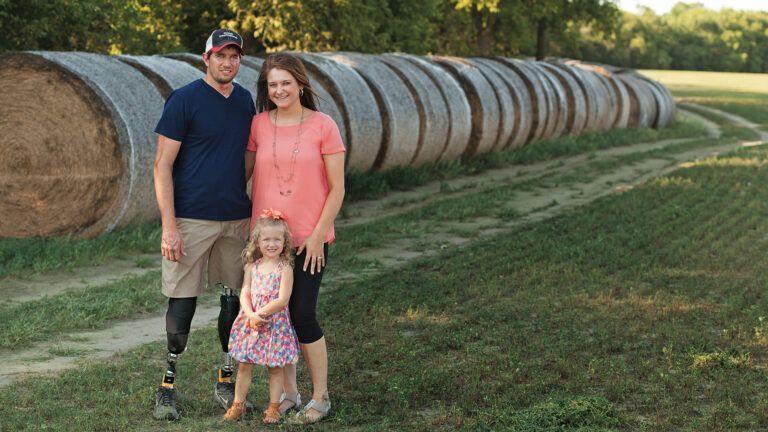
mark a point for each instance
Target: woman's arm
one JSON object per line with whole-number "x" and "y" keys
{"x": 334, "y": 173}
{"x": 286, "y": 287}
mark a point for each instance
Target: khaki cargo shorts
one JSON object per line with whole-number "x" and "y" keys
{"x": 217, "y": 245}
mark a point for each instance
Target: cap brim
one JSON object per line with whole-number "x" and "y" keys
{"x": 221, "y": 47}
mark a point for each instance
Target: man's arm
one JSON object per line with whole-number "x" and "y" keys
{"x": 171, "y": 244}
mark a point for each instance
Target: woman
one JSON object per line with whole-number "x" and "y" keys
{"x": 297, "y": 157}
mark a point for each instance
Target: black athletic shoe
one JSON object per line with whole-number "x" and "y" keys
{"x": 225, "y": 394}
{"x": 165, "y": 404}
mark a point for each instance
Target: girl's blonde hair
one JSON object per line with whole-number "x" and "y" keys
{"x": 252, "y": 252}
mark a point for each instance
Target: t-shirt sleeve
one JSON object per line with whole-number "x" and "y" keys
{"x": 173, "y": 121}
{"x": 331, "y": 142}
{"x": 253, "y": 142}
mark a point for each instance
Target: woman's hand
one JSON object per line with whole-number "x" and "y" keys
{"x": 314, "y": 257}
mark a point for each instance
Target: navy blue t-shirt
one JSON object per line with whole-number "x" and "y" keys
{"x": 209, "y": 171}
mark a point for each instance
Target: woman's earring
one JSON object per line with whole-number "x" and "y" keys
{"x": 301, "y": 92}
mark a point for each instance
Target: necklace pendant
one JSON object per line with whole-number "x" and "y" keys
{"x": 295, "y": 151}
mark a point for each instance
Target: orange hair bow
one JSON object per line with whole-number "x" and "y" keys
{"x": 271, "y": 214}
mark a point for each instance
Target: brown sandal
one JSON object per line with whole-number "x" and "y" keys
{"x": 272, "y": 414}
{"x": 235, "y": 412}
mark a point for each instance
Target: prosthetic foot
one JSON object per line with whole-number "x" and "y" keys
{"x": 165, "y": 401}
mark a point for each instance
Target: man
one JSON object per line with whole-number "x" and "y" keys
{"x": 200, "y": 183}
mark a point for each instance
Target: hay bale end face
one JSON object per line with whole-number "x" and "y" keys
{"x": 78, "y": 144}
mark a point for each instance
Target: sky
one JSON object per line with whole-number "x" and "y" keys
{"x": 663, "y": 6}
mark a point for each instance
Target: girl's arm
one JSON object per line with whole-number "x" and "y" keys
{"x": 286, "y": 287}
{"x": 245, "y": 291}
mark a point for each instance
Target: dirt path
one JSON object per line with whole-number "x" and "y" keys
{"x": 533, "y": 204}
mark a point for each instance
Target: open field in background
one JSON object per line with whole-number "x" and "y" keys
{"x": 644, "y": 310}
{"x": 743, "y": 94}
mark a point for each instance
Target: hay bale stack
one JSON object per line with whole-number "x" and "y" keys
{"x": 430, "y": 106}
{"x": 575, "y": 99}
{"x": 358, "y": 107}
{"x": 78, "y": 145}
{"x": 396, "y": 106}
{"x": 482, "y": 100}
{"x": 521, "y": 99}
{"x": 459, "y": 111}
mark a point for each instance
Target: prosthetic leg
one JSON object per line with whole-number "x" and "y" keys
{"x": 178, "y": 320}
{"x": 230, "y": 307}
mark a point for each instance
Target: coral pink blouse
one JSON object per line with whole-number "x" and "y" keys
{"x": 309, "y": 186}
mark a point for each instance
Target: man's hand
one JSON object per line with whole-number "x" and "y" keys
{"x": 171, "y": 245}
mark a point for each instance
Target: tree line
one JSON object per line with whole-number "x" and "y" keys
{"x": 688, "y": 37}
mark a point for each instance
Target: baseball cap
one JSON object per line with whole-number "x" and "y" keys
{"x": 221, "y": 38}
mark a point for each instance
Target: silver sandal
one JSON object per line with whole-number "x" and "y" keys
{"x": 321, "y": 407}
{"x": 295, "y": 399}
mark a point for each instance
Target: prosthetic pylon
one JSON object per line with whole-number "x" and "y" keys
{"x": 230, "y": 307}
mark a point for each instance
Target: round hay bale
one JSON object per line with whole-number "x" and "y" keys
{"x": 167, "y": 74}
{"x": 507, "y": 99}
{"x": 431, "y": 107}
{"x": 575, "y": 99}
{"x": 603, "y": 113}
{"x": 400, "y": 123}
{"x": 78, "y": 144}
{"x": 358, "y": 106}
{"x": 520, "y": 97}
{"x": 622, "y": 106}
{"x": 559, "y": 99}
{"x": 483, "y": 102}
{"x": 665, "y": 103}
{"x": 459, "y": 126}
{"x": 642, "y": 110}
{"x": 537, "y": 91}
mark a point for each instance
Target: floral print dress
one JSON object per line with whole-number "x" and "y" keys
{"x": 272, "y": 344}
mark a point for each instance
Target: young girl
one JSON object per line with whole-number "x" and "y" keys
{"x": 262, "y": 333}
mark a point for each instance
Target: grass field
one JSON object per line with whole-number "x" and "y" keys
{"x": 644, "y": 310}
{"x": 738, "y": 93}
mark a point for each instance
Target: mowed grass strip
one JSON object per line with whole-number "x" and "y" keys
{"x": 644, "y": 310}
{"x": 21, "y": 257}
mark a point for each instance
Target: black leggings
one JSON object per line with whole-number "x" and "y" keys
{"x": 303, "y": 303}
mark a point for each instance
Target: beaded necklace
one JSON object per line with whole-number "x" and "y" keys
{"x": 287, "y": 180}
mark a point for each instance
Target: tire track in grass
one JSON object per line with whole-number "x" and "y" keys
{"x": 530, "y": 204}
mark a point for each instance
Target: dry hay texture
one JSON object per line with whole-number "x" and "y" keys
{"x": 78, "y": 143}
